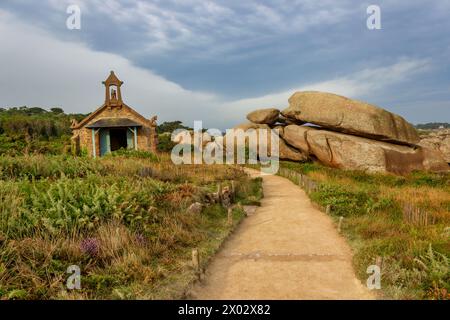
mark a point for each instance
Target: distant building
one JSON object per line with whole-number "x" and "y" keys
{"x": 114, "y": 126}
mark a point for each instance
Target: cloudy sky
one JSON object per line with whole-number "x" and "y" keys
{"x": 216, "y": 60}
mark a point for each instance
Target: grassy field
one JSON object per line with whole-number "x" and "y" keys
{"x": 122, "y": 219}
{"x": 405, "y": 220}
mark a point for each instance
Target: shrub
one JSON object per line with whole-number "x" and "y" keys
{"x": 165, "y": 144}
{"x": 437, "y": 269}
{"x": 343, "y": 201}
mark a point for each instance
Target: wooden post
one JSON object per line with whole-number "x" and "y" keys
{"x": 233, "y": 190}
{"x": 328, "y": 210}
{"x": 195, "y": 259}
{"x": 219, "y": 192}
{"x": 340, "y": 224}
{"x": 230, "y": 216}
{"x": 379, "y": 262}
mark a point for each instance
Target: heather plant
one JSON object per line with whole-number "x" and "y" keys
{"x": 90, "y": 246}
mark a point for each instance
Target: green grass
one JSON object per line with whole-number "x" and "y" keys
{"x": 415, "y": 255}
{"x": 123, "y": 219}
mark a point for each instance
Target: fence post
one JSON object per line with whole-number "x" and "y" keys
{"x": 379, "y": 262}
{"x": 340, "y": 224}
{"x": 328, "y": 210}
{"x": 233, "y": 191}
{"x": 219, "y": 192}
{"x": 230, "y": 216}
{"x": 195, "y": 259}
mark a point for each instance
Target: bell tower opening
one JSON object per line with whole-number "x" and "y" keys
{"x": 113, "y": 94}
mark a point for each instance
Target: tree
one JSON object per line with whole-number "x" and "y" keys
{"x": 433, "y": 125}
{"x": 57, "y": 110}
{"x": 171, "y": 126}
{"x": 33, "y": 110}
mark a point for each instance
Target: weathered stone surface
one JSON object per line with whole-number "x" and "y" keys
{"x": 296, "y": 137}
{"x": 434, "y": 160}
{"x": 285, "y": 152}
{"x": 280, "y": 129}
{"x": 341, "y": 114}
{"x": 195, "y": 208}
{"x": 287, "y": 121}
{"x": 264, "y": 116}
{"x": 227, "y": 197}
{"x": 289, "y": 153}
{"x": 356, "y": 153}
{"x": 250, "y": 125}
{"x": 438, "y": 140}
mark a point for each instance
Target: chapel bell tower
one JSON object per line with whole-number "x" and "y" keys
{"x": 113, "y": 95}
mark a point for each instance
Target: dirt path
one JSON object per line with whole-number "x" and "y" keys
{"x": 287, "y": 249}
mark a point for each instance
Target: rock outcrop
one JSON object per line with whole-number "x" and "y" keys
{"x": 349, "y": 134}
{"x": 264, "y": 116}
{"x": 357, "y": 153}
{"x": 286, "y": 152}
{"x": 438, "y": 140}
{"x": 289, "y": 153}
{"x": 345, "y": 115}
{"x": 296, "y": 136}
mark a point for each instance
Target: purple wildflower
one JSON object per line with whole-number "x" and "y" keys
{"x": 141, "y": 239}
{"x": 90, "y": 246}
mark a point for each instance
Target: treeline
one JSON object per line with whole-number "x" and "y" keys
{"x": 171, "y": 126}
{"x": 433, "y": 125}
{"x": 30, "y": 130}
{"x": 36, "y": 122}
{"x": 25, "y": 130}
{"x": 164, "y": 131}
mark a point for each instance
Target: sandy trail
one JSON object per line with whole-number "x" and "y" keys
{"x": 287, "y": 249}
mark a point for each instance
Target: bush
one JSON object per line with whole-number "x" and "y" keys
{"x": 436, "y": 266}
{"x": 34, "y": 130}
{"x": 344, "y": 202}
{"x": 165, "y": 143}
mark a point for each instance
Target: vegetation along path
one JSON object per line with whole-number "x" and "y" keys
{"x": 287, "y": 249}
